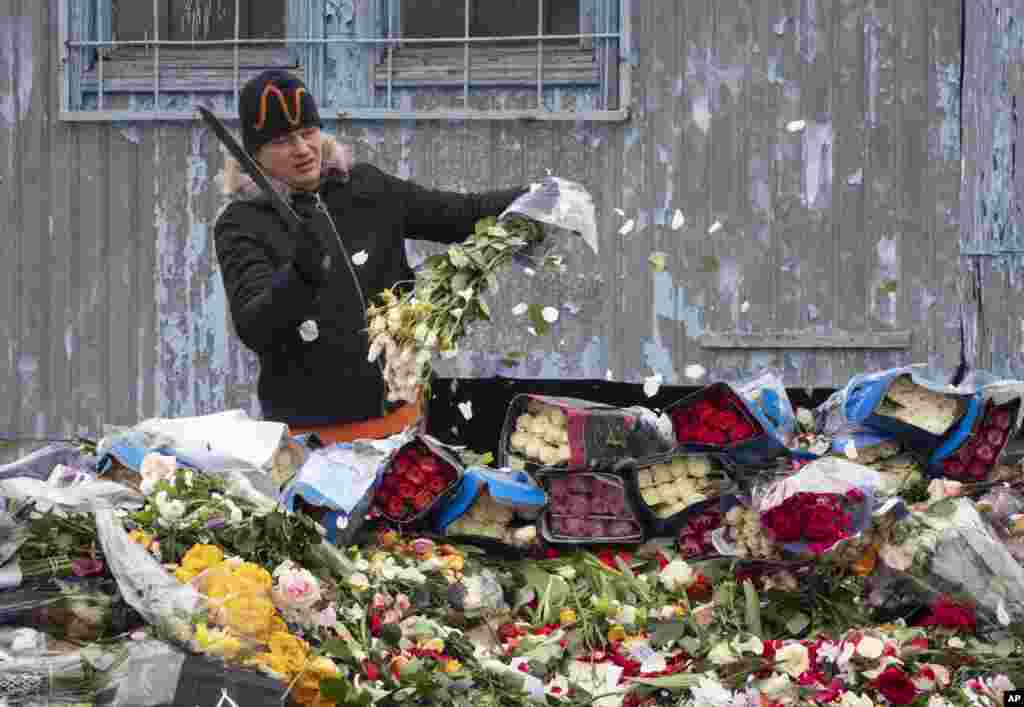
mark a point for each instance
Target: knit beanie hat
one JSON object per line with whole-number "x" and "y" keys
{"x": 274, "y": 104}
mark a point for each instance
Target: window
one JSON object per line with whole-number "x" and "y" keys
{"x": 157, "y": 59}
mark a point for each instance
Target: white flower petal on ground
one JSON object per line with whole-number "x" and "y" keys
{"x": 795, "y": 126}
{"x": 745, "y": 307}
{"x": 520, "y": 309}
{"x": 608, "y": 375}
{"x": 678, "y": 220}
{"x": 627, "y": 227}
{"x": 531, "y": 330}
{"x": 694, "y": 371}
{"x": 652, "y": 384}
{"x": 550, "y": 315}
{"x": 360, "y": 258}
{"x": 466, "y": 408}
{"x": 715, "y": 227}
{"x": 619, "y": 211}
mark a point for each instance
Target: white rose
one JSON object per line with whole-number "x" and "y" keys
{"x": 411, "y": 574}
{"x": 627, "y": 615}
{"x": 359, "y": 581}
{"x": 155, "y": 468}
{"x": 677, "y": 575}
{"x": 870, "y": 647}
{"x": 296, "y": 590}
{"x": 936, "y": 701}
{"x": 775, "y": 686}
{"x": 955, "y": 642}
{"x": 794, "y": 659}
{"x": 851, "y": 699}
{"x": 896, "y": 557}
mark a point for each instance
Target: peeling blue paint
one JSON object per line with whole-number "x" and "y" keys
{"x": 593, "y": 360}
{"x": 672, "y": 302}
{"x": 760, "y": 360}
{"x": 659, "y": 359}
{"x": 633, "y": 135}
{"x": 948, "y": 77}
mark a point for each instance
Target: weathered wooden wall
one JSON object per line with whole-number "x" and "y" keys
{"x": 113, "y": 309}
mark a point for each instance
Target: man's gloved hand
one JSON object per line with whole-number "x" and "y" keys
{"x": 309, "y": 256}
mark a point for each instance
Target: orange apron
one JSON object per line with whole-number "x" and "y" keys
{"x": 374, "y": 428}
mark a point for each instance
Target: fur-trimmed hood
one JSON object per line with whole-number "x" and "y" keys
{"x": 239, "y": 186}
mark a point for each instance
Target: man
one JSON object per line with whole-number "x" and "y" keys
{"x": 298, "y": 310}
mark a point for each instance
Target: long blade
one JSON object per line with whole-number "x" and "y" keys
{"x": 253, "y": 170}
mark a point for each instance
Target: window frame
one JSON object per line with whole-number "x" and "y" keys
{"x": 83, "y": 25}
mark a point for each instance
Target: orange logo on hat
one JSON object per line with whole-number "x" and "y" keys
{"x": 293, "y": 121}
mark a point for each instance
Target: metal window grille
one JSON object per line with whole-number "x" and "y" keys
{"x": 89, "y": 40}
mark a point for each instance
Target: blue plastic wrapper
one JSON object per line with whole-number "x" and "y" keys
{"x": 342, "y": 478}
{"x": 865, "y": 405}
{"x": 514, "y": 490}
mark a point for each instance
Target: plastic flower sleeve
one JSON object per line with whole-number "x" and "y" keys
{"x": 769, "y": 394}
{"x": 1004, "y": 508}
{"x": 827, "y": 501}
{"x": 80, "y": 498}
{"x": 560, "y": 204}
{"x": 950, "y": 549}
{"x": 145, "y": 585}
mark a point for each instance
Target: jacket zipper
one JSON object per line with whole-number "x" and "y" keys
{"x": 322, "y": 207}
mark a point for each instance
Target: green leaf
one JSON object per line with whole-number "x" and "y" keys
{"x": 458, "y": 257}
{"x": 550, "y": 588}
{"x": 335, "y": 689}
{"x": 461, "y": 280}
{"x": 797, "y": 623}
{"x": 709, "y": 264}
{"x": 678, "y": 681}
{"x": 485, "y": 311}
{"x": 657, "y": 259}
{"x": 337, "y": 649}
{"x": 753, "y": 608}
{"x": 536, "y": 315}
{"x": 665, "y": 633}
{"x": 492, "y": 283}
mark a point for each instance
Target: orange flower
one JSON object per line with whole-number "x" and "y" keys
{"x": 866, "y": 564}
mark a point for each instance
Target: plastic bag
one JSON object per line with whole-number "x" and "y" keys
{"x": 561, "y": 204}
{"x": 486, "y": 505}
{"x": 827, "y": 501}
{"x": 40, "y": 464}
{"x": 769, "y": 395}
{"x": 341, "y": 478}
{"x": 80, "y": 498}
{"x": 972, "y": 450}
{"x": 925, "y": 410}
{"x": 950, "y": 549}
{"x": 1004, "y": 508}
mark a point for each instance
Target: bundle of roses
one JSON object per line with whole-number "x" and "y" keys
{"x": 717, "y": 418}
{"x": 413, "y": 480}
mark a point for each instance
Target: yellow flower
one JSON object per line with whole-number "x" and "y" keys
{"x": 567, "y": 616}
{"x": 616, "y": 633}
{"x": 293, "y": 650}
{"x": 250, "y": 573}
{"x": 184, "y": 575}
{"x": 249, "y": 615}
{"x": 454, "y": 562}
{"x": 433, "y": 644}
{"x": 227, "y": 647}
{"x": 278, "y": 663}
{"x": 452, "y": 666}
{"x": 202, "y": 557}
{"x": 316, "y": 670}
{"x": 140, "y": 537}
{"x": 277, "y": 625}
{"x": 202, "y": 636}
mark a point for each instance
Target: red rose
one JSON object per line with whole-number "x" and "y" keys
{"x": 1001, "y": 419}
{"x": 953, "y": 467}
{"x": 714, "y": 436}
{"x": 395, "y": 507}
{"x": 703, "y": 410}
{"x": 950, "y": 615}
{"x": 407, "y": 489}
{"x": 415, "y": 476}
{"x": 995, "y": 437}
{"x": 423, "y": 499}
{"x": 371, "y": 671}
{"x": 727, "y": 420}
{"x": 431, "y": 466}
{"x": 821, "y": 525}
{"x": 785, "y": 526}
{"x": 894, "y": 684}
{"x": 436, "y": 484}
{"x": 743, "y": 431}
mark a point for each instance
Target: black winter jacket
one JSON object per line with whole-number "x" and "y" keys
{"x": 328, "y": 380}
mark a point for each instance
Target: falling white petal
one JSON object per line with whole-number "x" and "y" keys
{"x": 694, "y": 371}
{"x": 466, "y": 294}
{"x": 678, "y": 220}
{"x": 619, "y": 211}
{"x": 715, "y": 227}
{"x": 360, "y": 258}
{"x": 466, "y": 408}
{"x": 608, "y": 375}
{"x": 796, "y": 126}
{"x": 530, "y": 271}
{"x": 652, "y": 384}
{"x": 745, "y": 307}
{"x": 531, "y": 330}
{"x": 520, "y": 309}
{"x": 550, "y": 315}
{"x": 627, "y": 227}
